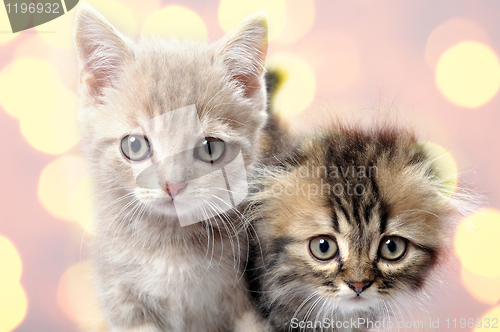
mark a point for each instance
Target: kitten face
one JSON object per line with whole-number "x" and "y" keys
{"x": 187, "y": 169}
{"x": 155, "y": 114}
{"x": 350, "y": 221}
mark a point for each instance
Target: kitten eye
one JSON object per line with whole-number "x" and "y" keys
{"x": 393, "y": 248}
{"x": 210, "y": 150}
{"x": 323, "y": 247}
{"x": 135, "y": 147}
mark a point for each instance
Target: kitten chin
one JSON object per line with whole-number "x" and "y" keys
{"x": 177, "y": 208}
{"x": 348, "y": 303}
{"x": 347, "y": 225}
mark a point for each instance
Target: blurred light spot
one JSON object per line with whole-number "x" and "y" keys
{"x": 81, "y": 204}
{"x": 10, "y": 262}
{"x": 451, "y": 33}
{"x": 468, "y": 74}
{"x": 175, "y": 21}
{"x": 299, "y": 20}
{"x": 63, "y": 60}
{"x": 335, "y": 58}
{"x": 25, "y": 83}
{"x": 141, "y": 9}
{"x": 484, "y": 289}
{"x": 6, "y": 34}
{"x": 490, "y": 320}
{"x": 444, "y": 165}
{"x": 296, "y": 92}
{"x": 30, "y": 90}
{"x": 76, "y": 298}
{"x": 65, "y": 191}
{"x": 59, "y": 32}
{"x": 53, "y": 130}
{"x": 231, "y": 12}
{"x": 13, "y": 301}
{"x": 476, "y": 242}
{"x": 58, "y": 183}
{"x": 13, "y": 306}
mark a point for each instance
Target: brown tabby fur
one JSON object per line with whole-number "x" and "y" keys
{"x": 399, "y": 193}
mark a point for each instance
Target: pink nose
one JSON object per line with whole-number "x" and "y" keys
{"x": 359, "y": 287}
{"x": 175, "y": 189}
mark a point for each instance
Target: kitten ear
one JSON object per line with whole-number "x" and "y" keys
{"x": 101, "y": 49}
{"x": 244, "y": 52}
{"x": 441, "y": 167}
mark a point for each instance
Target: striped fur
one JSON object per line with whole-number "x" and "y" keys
{"x": 356, "y": 187}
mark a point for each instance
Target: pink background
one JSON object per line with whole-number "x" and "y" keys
{"x": 390, "y": 38}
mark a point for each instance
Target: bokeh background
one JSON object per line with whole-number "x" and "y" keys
{"x": 431, "y": 64}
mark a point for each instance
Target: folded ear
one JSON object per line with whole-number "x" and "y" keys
{"x": 441, "y": 168}
{"x": 101, "y": 50}
{"x": 244, "y": 51}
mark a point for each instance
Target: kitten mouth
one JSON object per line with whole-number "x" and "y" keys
{"x": 166, "y": 205}
{"x": 172, "y": 206}
{"x": 357, "y": 298}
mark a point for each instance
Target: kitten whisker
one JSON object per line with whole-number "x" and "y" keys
{"x": 223, "y": 215}
{"x": 311, "y": 309}
{"x": 85, "y": 231}
{"x": 249, "y": 216}
{"x": 387, "y": 304}
{"x": 111, "y": 223}
{"x": 315, "y": 293}
{"x": 320, "y": 313}
{"x": 421, "y": 210}
{"x": 207, "y": 227}
{"x": 204, "y": 111}
{"x": 140, "y": 215}
{"x": 231, "y": 120}
{"x": 213, "y": 229}
{"x": 404, "y": 305}
{"x": 124, "y": 221}
{"x": 221, "y": 239}
{"x": 236, "y": 248}
{"x": 213, "y": 236}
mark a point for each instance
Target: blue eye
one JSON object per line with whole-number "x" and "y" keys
{"x": 323, "y": 247}
{"x": 210, "y": 150}
{"x": 393, "y": 248}
{"x": 135, "y": 147}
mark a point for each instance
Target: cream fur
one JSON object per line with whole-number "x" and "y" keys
{"x": 151, "y": 274}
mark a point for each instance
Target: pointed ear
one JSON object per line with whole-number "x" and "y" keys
{"x": 101, "y": 50}
{"x": 244, "y": 52}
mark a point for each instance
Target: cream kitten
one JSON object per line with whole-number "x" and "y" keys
{"x": 170, "y": 128}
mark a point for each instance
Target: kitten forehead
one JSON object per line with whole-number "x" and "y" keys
{"x": 396, "y": 195}
{"x": 178, "y": 126}
{"x": 158, "y": 76}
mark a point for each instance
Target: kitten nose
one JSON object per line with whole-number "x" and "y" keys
{"x": 175, "y": 189}
{"x": 359, "y": 287}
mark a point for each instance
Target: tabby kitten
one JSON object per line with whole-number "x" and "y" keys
{"x": 351, "y": 221}
{"x": 170, "y": 128}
